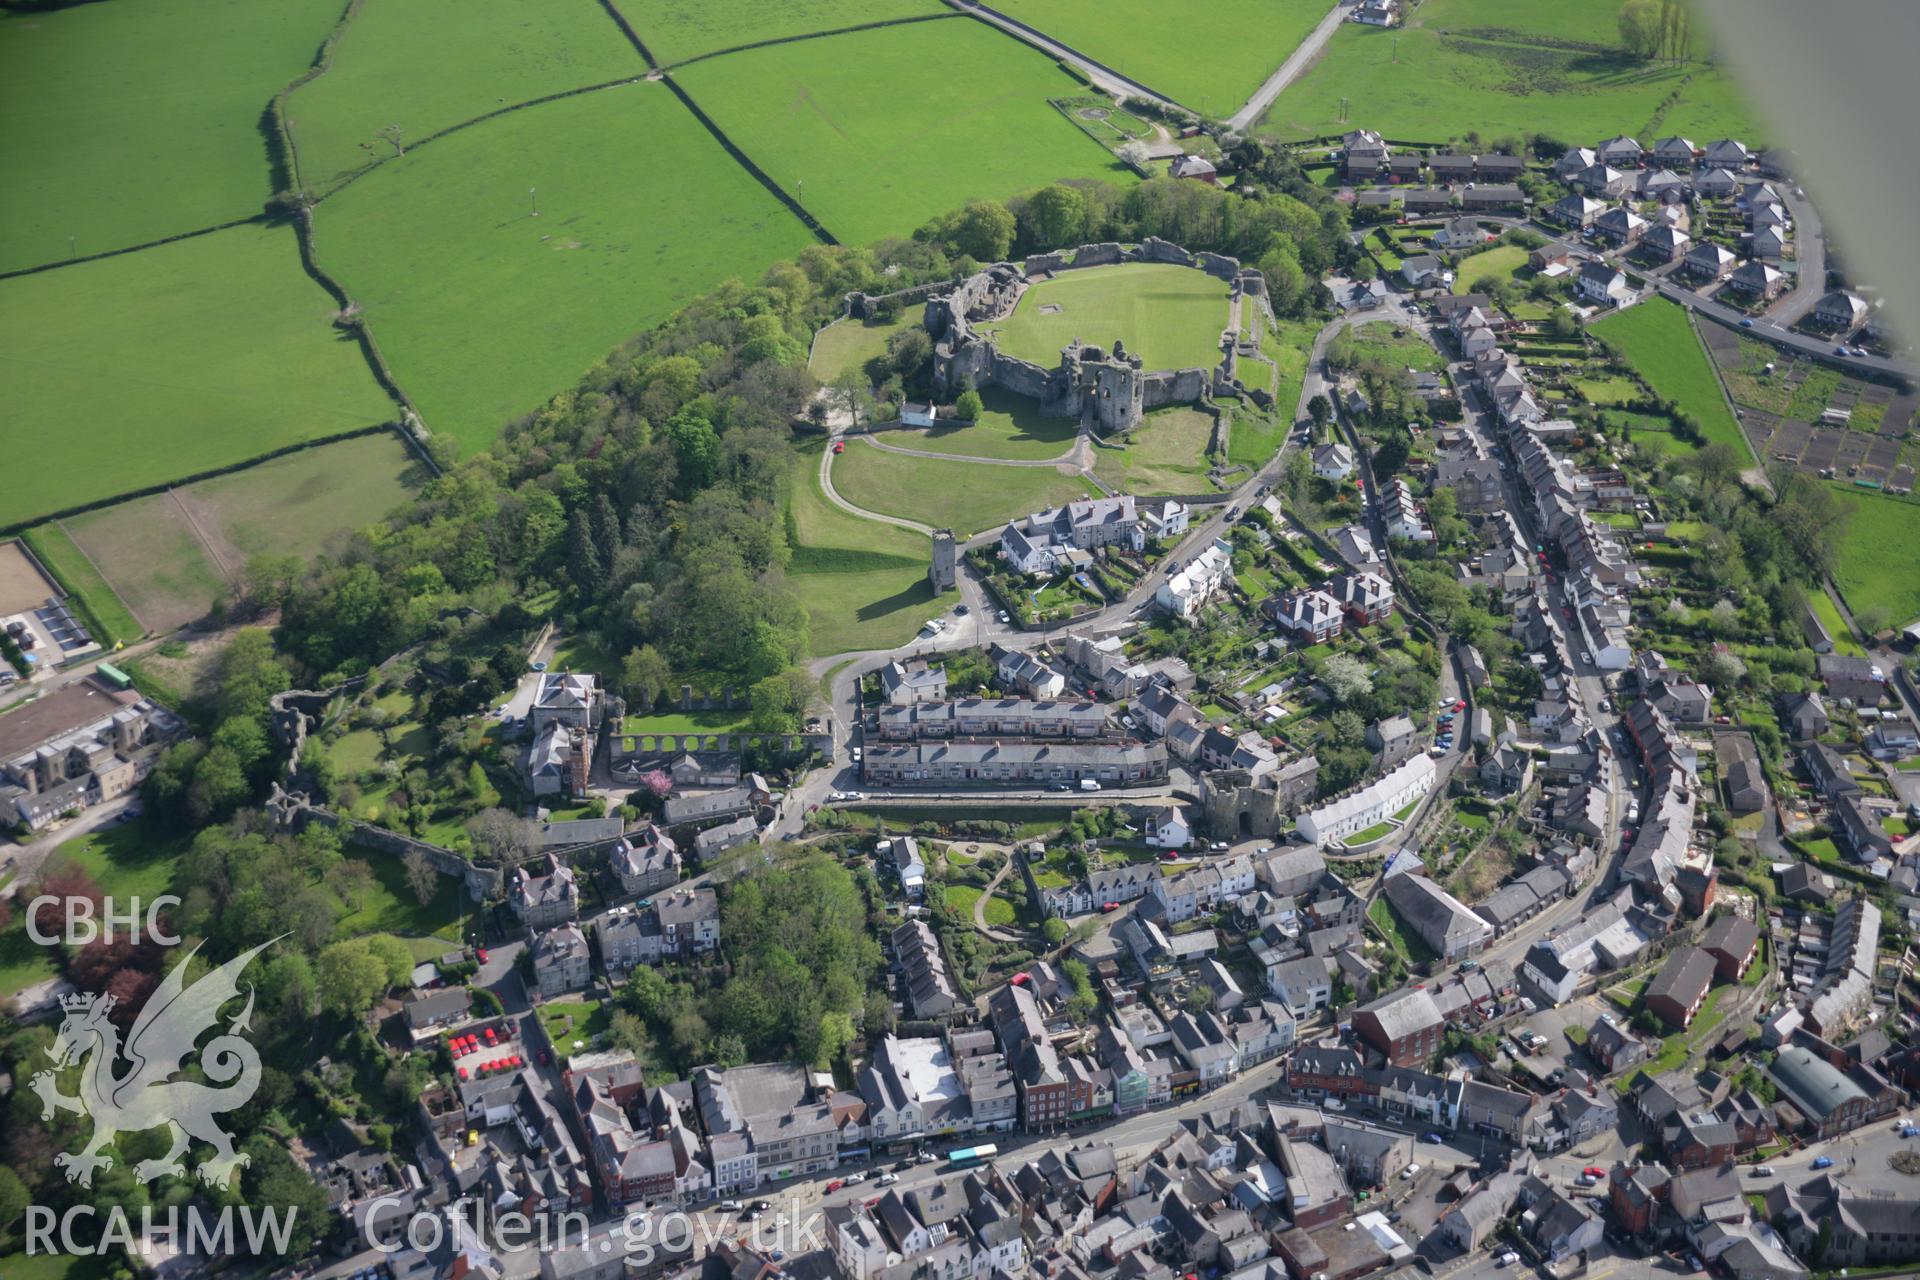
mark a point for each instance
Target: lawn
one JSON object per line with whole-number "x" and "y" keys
{"x": 1011, "y": 427}
{"x": 1879, "y": 559}
{"x": 151, "y": 367}
{"x": 483, "y": 55}
{"x": 1171, "y": 317}
{"x": 1375, "y": 341}
{"x": 1141, "y": 39}
{"x": 570, "y": 1020}
{"x": 966, "y": 497}
{"x": 864, "y": 582}
{"x": 391, "y": 907}
{"x": 872, "y": 144}
{"x": 1657, "y": 340}
{"x": 687, "y": 722}
{"x": 1607, "y": 391}
{"x": 126, "y": 860}
{"x": 1505, "y": 67}
{"x": 1399, "y": 935}
{"x": 167, "y": 569}
{"x": 962, "y": 897}
{"x": 1166, "y": 454}
{"x": 1498, "y": 263}
{"x": 675, "y": 30}
{"x": 126, "y": 124}
{"x": 105, "y": 612}
{"x": 1372, "y": 833}
{"x": 1829, "y": 614}
{"x": 849, "y": 344}
{"x": 484, "y": 311}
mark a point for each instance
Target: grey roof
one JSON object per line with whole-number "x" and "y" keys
{"x": 1687, "y": 973}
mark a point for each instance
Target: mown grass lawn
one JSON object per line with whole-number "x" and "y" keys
{"x": 392, "y": 907}
{"x": 570, "y": 1020}
{"x": 1656, "y": 338}
{"x": 430, "y": 64}
{"x": 1829, "y": 615}
{"x": 484, "y": 311}
{"x": 864, "y": 582}
{"x": 966, "y": 497}
{"x": 1169, "y": 316}
{"x": 1498, "y": 263}
{"x": 1144, "y": 39}
{"x": 874, "y": 142}
{"x": 849, "y": 344}
{"x": 1879, "y": 560}
{"x": 675, "y": 30}
{"x": 126, "y": 124}
{"x": 156, "y": 365}
{"x": 1010, "y": 427}
{"x": 1504, "y": 66}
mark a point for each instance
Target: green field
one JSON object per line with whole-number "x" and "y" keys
{"x": 183, "y": 358}
{"x": 1011, "y": 427}
{"x": 849, "y": 344}
{"x": 1375, "y": 341}
{"x": 169, "y": 568}
{"x": 1142, "y": 39}
{"x": 1879, "y": 559}
{"x": 967, "y": 497}
{"x": 1657, "y": 340}
{"x": 484, "y": 55}
{"x": 1171, "y": 317}
{"x": 873, "y": 145}
{"x": 106, "y": 611}
{"x": 1829, "y": 614}
{"x": 484, "y": 311}
{"x": 1506, "y": 66}
{"x": 1498, "y": 263}
{"x": 1166, "y": 454}
{"x": 129, "y": 123}
{"x": 675, "y": 30}
{"x": 864, "y": 582}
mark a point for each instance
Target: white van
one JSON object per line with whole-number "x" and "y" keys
{"x": 1088, "y": 784}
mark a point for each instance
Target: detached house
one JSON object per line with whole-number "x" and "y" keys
{"x": 1603, "y": 284}
{"x": 1708, "y": 262}
{"x": 1757, "y": 280}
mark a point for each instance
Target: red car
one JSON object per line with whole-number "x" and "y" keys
{"x": 482, "y": 953}
{"x": 835, "y": 1185}
{"x": 839, "y": 446}
{"x": 1594, "y": 1171}
{"x": 1109, "y": 906}
{"x": 1021, "y": 979}
{"x": 1461, "y": 705}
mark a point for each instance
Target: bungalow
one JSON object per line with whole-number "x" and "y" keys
{"x": 1675, "y": 151}
{"x": 1422, "y": 270}
{"x": 1709, "y": 262}
{"x": 1549, "y": 256}
{"x": 1461, "y": 233}
{"x": 1664, "y": 243}
{"x": 1756, "y": 279}
{"x": 1333, "y": 462}
{"x": 1620, "y": 226}
{"x": 1576, "y": 211}
{"x": 1427, "y": 202}
{"x": 1493, "y": 195}
{"x": 1603, "y": 284}
{"x": 1842, "y": 311}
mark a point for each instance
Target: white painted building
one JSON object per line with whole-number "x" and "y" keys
{"x": 1182, "y": 594}
{"x": 1373, "y": 803}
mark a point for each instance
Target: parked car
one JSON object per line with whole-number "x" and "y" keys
{"x": 888, "y": 1179}
{"x": 835, "y": 1185}
{"x": 1763, "y": 1171}
{"x": 855, "y": 1179}
{"x": 1433, "y": 1138}
{"x": 731, "y": 1206}
{"x": 1507, "y": 1259}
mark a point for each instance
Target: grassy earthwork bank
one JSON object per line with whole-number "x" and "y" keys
{"x": 1169, "y": 316}
{"x": 484, "y": 55}
{"x": 1507, "y": 66}
{"x": 1657, "y": 339}
{"x": 877, "y": 131}
{"x": 1211, "y": 71}
{"x": 484, "y": 309}
{"x": 864, "y": 582}
{"x": 1166, "y": 454}
{"x": 675, "y": 30}
{"x": 126, "y": 124}
{"x": 1879, "y": 555}
{"x": 172, "y": 361}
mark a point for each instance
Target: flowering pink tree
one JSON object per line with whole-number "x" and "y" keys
{"x": 657, "y": 783}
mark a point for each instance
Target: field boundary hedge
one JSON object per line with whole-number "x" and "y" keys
{"x": 809, "y": 35}
{"x": 79, "y": 600}
{"x": 134, "y": 248}
{"x": 977, "y": 10}
{"x": 147, "y": 491}
{"x": 745, "y": 161}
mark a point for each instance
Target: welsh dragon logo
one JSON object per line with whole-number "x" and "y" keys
{"x": 143, "y": 1097}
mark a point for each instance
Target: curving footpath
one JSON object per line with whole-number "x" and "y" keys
{"x": 833, "y": 496}
{"x": 1069, "y": 458}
